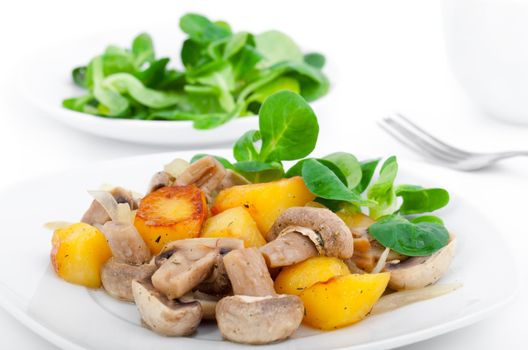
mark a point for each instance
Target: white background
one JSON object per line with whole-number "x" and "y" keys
{"x": 388, "y": 55}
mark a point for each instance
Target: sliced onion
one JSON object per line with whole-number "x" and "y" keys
{"x": 381, "y": 261}
{"x": 108, "y": 202}
{"x": 55, "y": 225}
{"x": 176, "y": 167}
{"x": 124, "y": 214}
{"x": 396, "y": 300}
{"x": 105, "y": 186}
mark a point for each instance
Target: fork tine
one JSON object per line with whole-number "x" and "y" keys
{"x": 431, "y": 137}
{"x": 423, "y": 145}
{"x": 394, "y": 133}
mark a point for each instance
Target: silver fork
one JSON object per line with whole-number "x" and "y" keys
{"x": 419, "y": 140}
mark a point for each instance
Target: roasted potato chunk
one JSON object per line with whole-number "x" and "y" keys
{"x": 234, "y": 223}
{"x": 78, "y": 254}
{"x": 265, "y": 201}
{"x": 296, "y": 278}
{"x": 343, "y": 300}
{"x": 169, "y": 214}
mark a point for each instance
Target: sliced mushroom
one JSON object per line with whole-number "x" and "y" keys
{"x": 184, "y": 264}
{"x": 126, "y": 243}
{"x": 207, "y": 301}
{"x": 218, "y": 282}
{"x": 259, "y": 316}
{"x": 206, "y": 173}
{"x": 327, "y": 232}
{"x": 96, "y": 214}
{"x": 419, "y": 272}
{"x": 117, "y": 277}
{"x": 259, "y": 320}
{"x": 159, "y": 180}
{"x": 165, "y": 316}
{"x": 183, "y": 271}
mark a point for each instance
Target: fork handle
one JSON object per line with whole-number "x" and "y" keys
{"x": 510, "y": 154}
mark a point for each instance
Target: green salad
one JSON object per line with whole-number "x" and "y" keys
{"x": 226, "y": 74}
{"x": 288, "y": 131}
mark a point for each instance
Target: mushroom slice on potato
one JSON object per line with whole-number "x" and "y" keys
{"x": 117, "y": 277}
{"x": 328, "y": 234}
{"x": 165, "y": 316}
{"x": 419, "y": 272}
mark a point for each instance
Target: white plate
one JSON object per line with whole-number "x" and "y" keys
{"x": 45, "y": 81}
{"x": 78, "y": 318}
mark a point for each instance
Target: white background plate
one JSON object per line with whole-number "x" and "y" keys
{"x": 45, "y": 81}
{"x": 74, "y": 317}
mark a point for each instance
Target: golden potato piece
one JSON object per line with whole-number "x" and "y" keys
{"x": 265, "y": 201}
{"x": 169, "y": 214}
{"x": 234, "y": 223}
{"x": 343, "y": 300}
{"x": 78, "y": 254}
{"x": 296, "y": 278}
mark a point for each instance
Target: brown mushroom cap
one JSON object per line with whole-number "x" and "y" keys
{"x": 259, "y": 320}
{"x": 117, "y": 277}
{"x": 419, "y": 272}
{"x": 165, "y": 316}
{"x": 332, "y": 236}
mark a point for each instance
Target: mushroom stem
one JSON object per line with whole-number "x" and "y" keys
{"x": 327, "y": 231}
{"x": 248, "y": 273}
{"x": 288, "y": 249}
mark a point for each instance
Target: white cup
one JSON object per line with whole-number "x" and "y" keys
{"x": 487, "y": 43}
